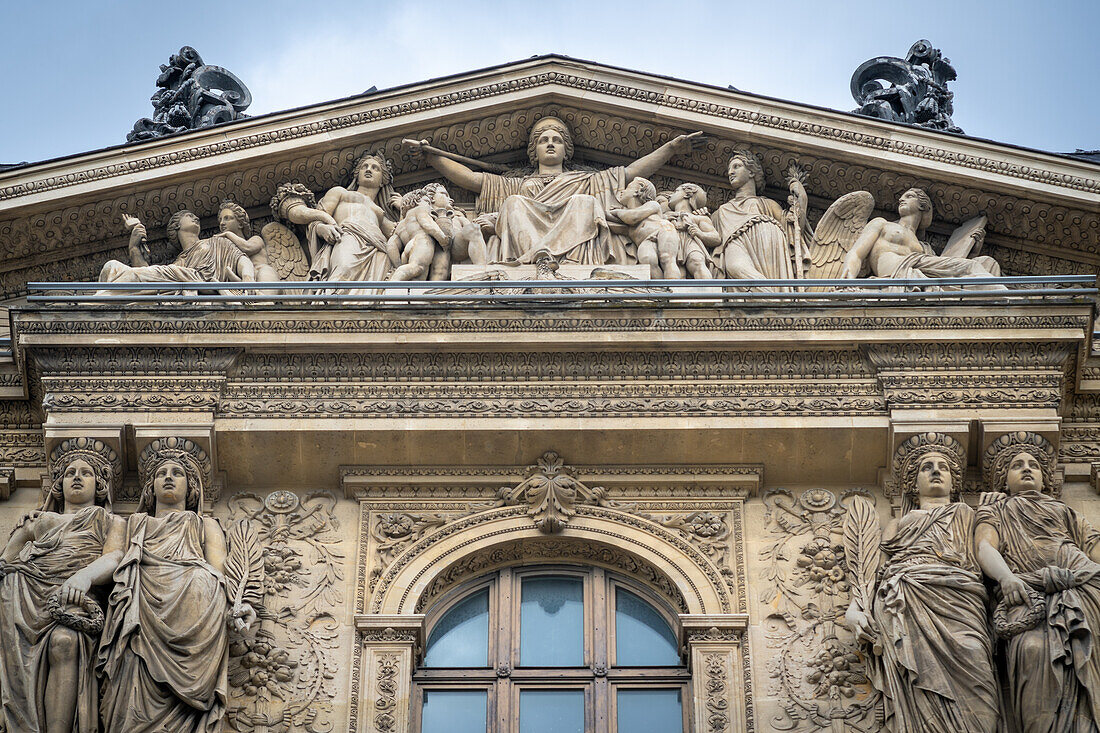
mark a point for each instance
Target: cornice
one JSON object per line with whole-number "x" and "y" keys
{"x": 659, "y": 95}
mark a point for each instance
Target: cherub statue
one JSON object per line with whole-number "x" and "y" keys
{"x": 420, "y": 246}
{"x": 688, "y": 213}
{"x": 1045, "y": 558}
{"x": 178, "y": 588}
{"x": 918, "y": 597}
{"x": 275, "y": 252}
{"x": 655, "y": 238}
{"x": 896, "y": 250}
{"x": 214, "y": 259}
{"x": 49, "y": 623}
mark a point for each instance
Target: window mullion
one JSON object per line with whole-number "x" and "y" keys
{"x": 506, "y": 654}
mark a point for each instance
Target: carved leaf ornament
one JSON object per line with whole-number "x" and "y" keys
{"x": 552, "y": 494}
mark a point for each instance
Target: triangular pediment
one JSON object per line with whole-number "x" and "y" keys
{"x": 59, "y": 220}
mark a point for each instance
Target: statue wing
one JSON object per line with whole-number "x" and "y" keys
{"x": 837, "y": 232}
{"x": 862, "y": 539}
{"x": 244, "y": 564}
{"x": 285, "y": 252}
{"x": 967, "y": 240}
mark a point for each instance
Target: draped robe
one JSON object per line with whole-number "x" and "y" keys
{"x": 755, "y": 224}
{"x": 1053, "y": 669}
{"x": 211, "y": 260}
{"x": 563, "y": 214}
{"x": 937, "y": 654}
{"x": 165, "y": 646}
{"x": 26, "y": 627}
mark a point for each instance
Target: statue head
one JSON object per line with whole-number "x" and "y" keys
{"x": 743, "y": 167}
{"x": 170, "y": 468}
{"x": 550, "y": 142}
{"x": 929, "y": 465}
{"x": 182, "y": 220}
{"x": 914, "y": 200}
{"x": 1020, "y": 461}
{"x": 641, "y": 189}
{"x": 82, "y": 469}
{"x": 693, "y": 193}
{"x": 372, "y": 170}
{"x": 232, "y": 215}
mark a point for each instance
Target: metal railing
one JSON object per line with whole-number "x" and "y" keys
{"x": 315, "y": 294}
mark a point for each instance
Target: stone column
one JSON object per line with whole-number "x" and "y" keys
{"x": 718, "y": 660}
{"x": 390, "y": 645}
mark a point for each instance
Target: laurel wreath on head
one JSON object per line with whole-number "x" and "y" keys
{"x": 89, "y": 620}
{"x": 1036, "y": 611}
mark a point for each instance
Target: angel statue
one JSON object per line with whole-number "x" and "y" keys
{"x": 178, "y": 587}
{"x": 275, "y": 252}
{"x": 49, "y": 623}
{"x": 214, "y": 259}
{"x": 348, "y": 229}
{"x": 758, "y": 239}
{"x": 918, "y": 598}
{"x": 897, "y": 249}
{"x": 1045, "y": 558}
{"x": 551, "y": 210}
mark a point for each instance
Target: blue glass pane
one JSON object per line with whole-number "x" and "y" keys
{"x": 642, "y": 637}
{"x": 461, "y": 637}
{"x": 447, "y": 711}
{"x": 551, "y": 711}
{"x": 649, "y": 711}
{"x": 551, "y": 624}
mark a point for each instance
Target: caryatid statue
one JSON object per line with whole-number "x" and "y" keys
{"x": 918, "y": 597}
{"x": 1045, "y": 558}
{"x": 554, "y": 211}
{"x": 49, "y": 624}
{"x": 178, "y": 588}
{"x": 214, "y": 259}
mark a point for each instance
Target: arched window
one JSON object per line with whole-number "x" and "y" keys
{"x": 551, "y": 650}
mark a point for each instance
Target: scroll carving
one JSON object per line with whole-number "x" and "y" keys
{"x": 283, "y": 675}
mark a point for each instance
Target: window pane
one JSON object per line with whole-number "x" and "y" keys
{"x": 447, "y": 711}
{"x": 551, "y": 711}
{"x": 642, "y": 637}
{"x": 461, "y": 638}
{"x": 552, "y": 622}
{"x": 649, "y": 711}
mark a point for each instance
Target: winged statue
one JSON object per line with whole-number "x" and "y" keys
{"x": 849, "y": 243}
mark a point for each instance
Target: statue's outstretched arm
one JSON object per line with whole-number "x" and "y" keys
{"x": 647, "y": 165}
{"x": 455, "y": 172}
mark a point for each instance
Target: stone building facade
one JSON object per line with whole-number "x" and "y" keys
{"x": 468, "y": 474}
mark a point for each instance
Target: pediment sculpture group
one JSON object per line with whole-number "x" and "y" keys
{"x": 121, "y": 624}
{"x": 365, "y": 231}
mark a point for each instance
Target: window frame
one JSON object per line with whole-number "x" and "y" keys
{"x": 505, "y": 679}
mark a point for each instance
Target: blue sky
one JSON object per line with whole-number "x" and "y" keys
{"x": 74, "y": 76}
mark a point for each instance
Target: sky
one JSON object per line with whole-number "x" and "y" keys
{"x": 75, "y": 75}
